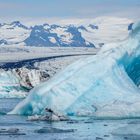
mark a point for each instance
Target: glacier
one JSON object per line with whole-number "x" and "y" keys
{"x": 104, "y": 85}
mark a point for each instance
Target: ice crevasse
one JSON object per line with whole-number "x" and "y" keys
{"x": 103, "y": 85}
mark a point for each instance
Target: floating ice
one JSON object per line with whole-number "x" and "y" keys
{"x": 105, "y": 85}
{"x": 15, "y": 83}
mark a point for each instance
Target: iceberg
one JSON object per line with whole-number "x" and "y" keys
{"x": 15, "y": 83}
{"x": 103, "y": 85}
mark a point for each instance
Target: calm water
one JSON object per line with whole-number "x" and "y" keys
{"x": 18, "y": 128}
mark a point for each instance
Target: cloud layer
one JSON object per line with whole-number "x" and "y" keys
{"x": 69, "y": 9}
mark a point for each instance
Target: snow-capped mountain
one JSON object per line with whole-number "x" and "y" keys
{"x": 88, "y": 33}
{"x": 13, "y": 33}
{"x": 55, "y": 35}
{"x": 43, "y": 35}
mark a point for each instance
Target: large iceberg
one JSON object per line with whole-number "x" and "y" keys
{"x": 104, "y": 85}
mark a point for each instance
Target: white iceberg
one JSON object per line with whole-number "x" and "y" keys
{"x": 104, "y": 85}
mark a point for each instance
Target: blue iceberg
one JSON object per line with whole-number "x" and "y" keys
{"x": 104, "y": 85}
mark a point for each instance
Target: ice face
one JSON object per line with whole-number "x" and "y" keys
{"x": 101, "y": 85}
{"x": 15, "y": 83}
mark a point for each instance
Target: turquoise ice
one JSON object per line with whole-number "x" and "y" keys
{"x": 104, "y": 85}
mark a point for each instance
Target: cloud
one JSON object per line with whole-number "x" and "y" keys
{"x": 62, "y": 9}
{"x": 111, "y": 10}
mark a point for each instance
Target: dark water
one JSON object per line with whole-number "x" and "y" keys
{"x": 14, "y": 127}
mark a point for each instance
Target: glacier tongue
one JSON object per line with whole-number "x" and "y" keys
{"x": 99, "y": 85}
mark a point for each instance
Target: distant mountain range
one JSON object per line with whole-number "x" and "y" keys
{"x": 45, "y": 35}
{"x": 54, "y": 35}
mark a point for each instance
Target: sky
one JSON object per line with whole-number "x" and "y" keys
{"x": 65, "y": 9}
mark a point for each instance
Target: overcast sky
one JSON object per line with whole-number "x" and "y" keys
{"x": 64, "y": 9}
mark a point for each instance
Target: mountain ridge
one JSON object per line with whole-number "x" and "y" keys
{"x": 90, "y": 34}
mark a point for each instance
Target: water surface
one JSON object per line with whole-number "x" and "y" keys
{"x": 18, "y": 128}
